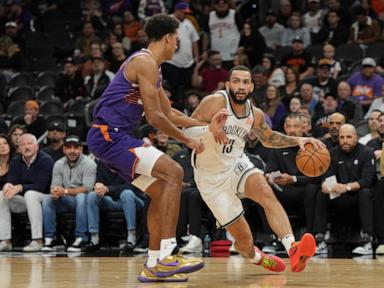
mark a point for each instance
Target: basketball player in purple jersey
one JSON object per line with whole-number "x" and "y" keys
{"x": 135, "y": 89}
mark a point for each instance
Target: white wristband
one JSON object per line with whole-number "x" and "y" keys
{"x": 196, "y": 131}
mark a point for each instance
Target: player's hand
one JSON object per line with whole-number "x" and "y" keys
{"x": 317, "y": 144}
{"x": 284, "y": 180}
{"x": 216, "y": 126}
{"x": 195, "y": 144}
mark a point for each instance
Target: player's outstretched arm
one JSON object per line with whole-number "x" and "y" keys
{"x": 273, "y": 139}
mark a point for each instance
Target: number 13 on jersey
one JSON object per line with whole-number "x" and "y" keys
{"x": 227, "y": 148}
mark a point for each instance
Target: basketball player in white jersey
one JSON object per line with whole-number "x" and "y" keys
{"x": 224, "y": 174}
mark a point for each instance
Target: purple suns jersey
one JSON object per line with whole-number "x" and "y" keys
{"x": 121, "y": 106}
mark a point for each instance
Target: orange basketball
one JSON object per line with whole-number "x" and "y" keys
{"x": 313, "y": 163}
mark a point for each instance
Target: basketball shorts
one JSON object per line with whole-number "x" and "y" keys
{"x": 222, "y": 191}
{"x": 124, "y": 154}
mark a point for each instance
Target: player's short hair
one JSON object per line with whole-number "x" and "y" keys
{"x": 238, "y": 68}
{"x": 159, "y": 25}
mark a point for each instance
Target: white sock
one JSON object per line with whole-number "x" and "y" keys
{"x": 166, "y": 247}
{"x": 287, "y": 241}
{"x": 131, "y": 238}
{"x": 153, "y": 255}
{"x": 95, "y": 238}
{"x": 256, "y": 259}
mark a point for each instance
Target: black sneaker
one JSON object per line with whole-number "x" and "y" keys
{"x": 51, "y": 245}
{"x": 91, "y": 247}
{"x": 77, "y": 246}
{"x": 127, "y": 248}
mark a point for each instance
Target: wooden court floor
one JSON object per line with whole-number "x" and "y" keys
{"x": 33, "y": 271}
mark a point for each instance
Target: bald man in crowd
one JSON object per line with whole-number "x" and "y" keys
{"x": 353, "y": 169}
{"x": 331, "y": 139}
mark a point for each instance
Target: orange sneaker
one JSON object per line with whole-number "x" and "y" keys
{"x": 270, "y": 262}
{"x": 301, "y": 251}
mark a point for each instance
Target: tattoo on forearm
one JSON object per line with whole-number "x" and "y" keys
{"x": 273, "y": 139}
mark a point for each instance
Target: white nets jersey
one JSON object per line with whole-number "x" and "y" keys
{"x": 218, "y": 158}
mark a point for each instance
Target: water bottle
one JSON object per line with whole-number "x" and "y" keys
{"x": 207, "y": 245}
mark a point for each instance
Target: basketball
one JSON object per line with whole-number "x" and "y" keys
{"x": 313, "y": 163}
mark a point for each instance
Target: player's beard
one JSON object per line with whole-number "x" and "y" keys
{"x": 238, "y": 101}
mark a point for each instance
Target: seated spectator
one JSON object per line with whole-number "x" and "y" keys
{"x": 376, "y": 144}
{"x": 32, "y": 122}
{"x": 162, "y": 143}
{"x": 272, "y": 31}
{"x": 148, "y": 8}
{"x": 294, "y": 104}
{"x": 14, "y": 135}
{"x": 306, "y": 124}
{"x": 118, "y": 57}
{"x": 209, "y": 75}
{"x": 191, "y": 206}
{"x": 313, "y": 19}
{"x": 285, "y": 12}
{"x": 290, "y": 88}
{"x": 322, "y": 114}
{"x": 333, "y": 32}
{"x": 142, "y": 42}
{"x": 373, "y": 124}
{"x": 366, "y": 85}
{"x": 69, "y": 83}
{"x": 98, "y": 80}
{"x": 323, "y": 83}
{"x": 93, "y": 12}
{"x": 56, "y": 135}
{"x": 276, "y": 76}
{"x": 83, "y": 42}
{"x": 112, "y": 193}
{"x": 131, "y": 26}
{"x": 349, "y": 106}
{"x": 6, "y": 153}
{"x": 364, "y": 30}
{"x": 296, "y": 31}
{"x": 120, "y": 37}
{"x": 377, "y": 104}
{"x": 298, "y": 59}
{"x": 260, "y": 81}
{"x": 29, "y": 176}
{"x": 308, "y": 98}
{"x": 329, "y": 54}
{"x": 335, "y": 121}
{"x": 12, "y": 30}
{"x": 193, "y": 98}
{"x": 20, "y": 14}
{"x": 353, "y": 166}
{"x": 73, "y": 177}
{"x": 274, "y": 107}
{"x": 12, "y": 59}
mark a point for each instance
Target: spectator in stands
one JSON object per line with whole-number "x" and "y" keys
{"x": 253, "y": 43}
{"x": 294, "y": 104}
{"x": 350, "y": 107}
{"x": 28, "y": 178}
{"x": 32, "y": 122}
{"x": 333, "y": 32}
{"x": 191, "y": 206}
{"x": 272, "y": 31}
{"x": 131, "y": 26}
{"x": 298, "y": 191}
{"x": 329, "y": 54}
{"x": 365, "y": 30}
{"x": 116, "y": 8}
{"x": 11, "y": 57}
{"x": 120, "y": 37}
{"x": 162, "y": 143}
{"x": 353, "y": 166}
{"x": 193, "y": 100}
{"x": 276, "y": 75}
{"x": 56, "y": 135}
{"x": 142, "y": 42}
{"x": 223, "y": 31}
{"x": 96, "y": 83}
{"x": 306, "y": 124}
{"x": 70, "y": 83}
{"x": 323, "y": 111}
{"x": 14, "y": 134}
{"x": 295, "y": 30}
{"x": 377, "y": 104}
{"x": 148, "y": 8}
{"x": 118, "y": 57}
{"x": 73, "y": 177}
{"x": 373, "y": 124}
{"x": 366, "y": 85}
{"x": 313, "y": 18}
{"x": 335, "y": 121}
{"x": 299, "y": 59}
{"x": 6, "y": 153}
{"x": 12, "y": 31}
{"x": 323, "y": 83}
{"x": 96, "y": 51}
{"x": 21, "y": 15}
{"x": 179, "y": 70}
{"x": 255, "y": 148}
{"x": 260, "y": 80}
{"x": 290, "y": 88}
{"x": 274, "y": 107}
{"x": 112, "y": 193}
{"x": 83, "y": 42}
{"x": 376, "y": 144}
{"x": 92, "y": 12}
{"x": 208, "y": 74}
{"x": 342, "y": 11}
{"x": 308, "y": 99}
{"x": 285, "y": 12}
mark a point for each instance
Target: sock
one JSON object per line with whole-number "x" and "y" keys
{"x": 287, "y": 241}
{"x": 153, "y": 255}
{"x": 256, "y": 259}
{"x": 131, "y": 238}
{"x": 95, "y": 238}
{"x": 166, "y": 247}
{"x": 48, "y": 240}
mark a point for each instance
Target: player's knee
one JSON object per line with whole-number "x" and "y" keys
{"x": 175, "y": 174}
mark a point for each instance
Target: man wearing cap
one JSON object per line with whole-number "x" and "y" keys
{"x": 12, "y": 30}
{"x": 364, "y": 30}
{"x": 29, "y": 177}
{"x": 20, "y": 14}
{"x": 272, "y": 31}
{"x": 298, "y": 59}
{"x": 323, "y": 83}
{"x": 56, "y": 135}
{"x": 178, "y": 71}
{"x": 96, "y": 83}
{"x": 70, "y": 82}
{"x": 72, "y": 178}
{"x": 33, "y": 123}
{"x": 366, "y": 84}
